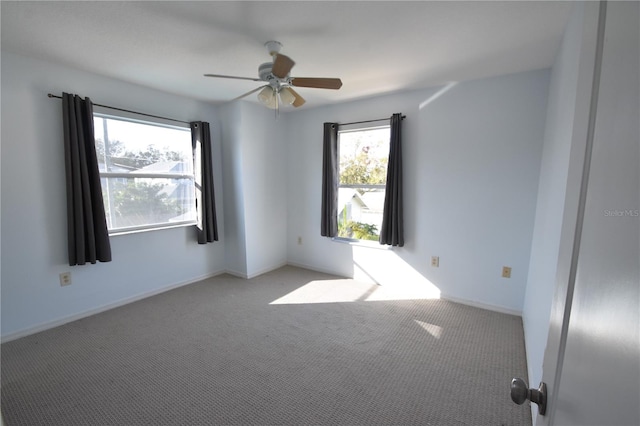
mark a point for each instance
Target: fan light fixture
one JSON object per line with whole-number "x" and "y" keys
{"x": 286, "y": 96}
{"x": 267, "y": 97}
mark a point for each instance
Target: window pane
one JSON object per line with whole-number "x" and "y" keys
{"x": 135, "y": 202}
{"x": 128, "y": 146}
{"x": 360, "y": 212}
{"x": 363, "y": 156}
{"x": 133, "y": 158}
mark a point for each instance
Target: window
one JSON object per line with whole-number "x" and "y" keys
{"x": 363, "y": 155}
{"x": 146, "y": 172}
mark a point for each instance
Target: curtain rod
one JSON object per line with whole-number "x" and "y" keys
{"x": 369, "y": 121}
{"x": 128, "y": 110}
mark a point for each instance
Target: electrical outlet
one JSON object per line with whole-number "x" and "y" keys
{"x": 506, "y": 272}
{"x": 435, "y": 261}
{"x": 299, "y": 241}
{"x": 65, "y": 279}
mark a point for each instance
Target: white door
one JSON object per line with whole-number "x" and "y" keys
{"x": 592, "y": 359}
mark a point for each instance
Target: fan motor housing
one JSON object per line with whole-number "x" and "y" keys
{"x": 264, "y": 71}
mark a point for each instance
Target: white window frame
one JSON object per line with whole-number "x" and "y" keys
{"x": 352, "y": 129}
{"x": 132, "y": 118}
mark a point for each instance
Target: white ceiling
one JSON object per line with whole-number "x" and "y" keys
{"x": 374, "y": 47}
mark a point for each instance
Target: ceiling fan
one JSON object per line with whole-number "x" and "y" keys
{"x": 278, "y": 81}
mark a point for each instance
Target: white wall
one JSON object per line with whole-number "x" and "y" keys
{"x": 558, "y": 190}
{"x": 471, "y": 165}
{"x": 472, "y": 153}
{"x": 264, "y": 170}
{"x": 33, "y": 239}
{"x": 255, "y": 173}
{"x": 235, "y": 241}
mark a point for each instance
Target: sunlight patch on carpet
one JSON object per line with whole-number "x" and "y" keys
{"x": 347, "y": 290}
{"x": 432, "y": 329}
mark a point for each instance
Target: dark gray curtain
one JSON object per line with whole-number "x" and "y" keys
{"x": 392, "y": 232}
{"x": 205, "y": 200}
{"x": 329, "y": 214}
{"x": 88, "y": 237}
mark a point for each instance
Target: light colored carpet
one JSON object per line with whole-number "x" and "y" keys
{"x": 219, "y": 352}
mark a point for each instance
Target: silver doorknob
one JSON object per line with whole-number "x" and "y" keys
{"x": 520, "y": 392}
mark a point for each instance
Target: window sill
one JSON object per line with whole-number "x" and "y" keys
{"x": 128, "y": 231}
{"x": 362, "y": 243}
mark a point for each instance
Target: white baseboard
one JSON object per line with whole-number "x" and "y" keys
{"x": 64, "y": 320}
{"x": 67, "y": 319}
{"x": 481, "y": 305}
{"x": 473, "y": 303}
{"x": 248, "y": 276}
{"x": 315, "y": 268}
{"x": 267, "y": 269}
{"x": 236, "y": 274}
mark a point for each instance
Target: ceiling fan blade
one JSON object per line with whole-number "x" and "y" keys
{"x": 299, "y": 99}
{"x": 282, "y": 65}
{"x": 317, "y": 83}
{"x": 248, "y": 93}
{"x": 232, "y": 76}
